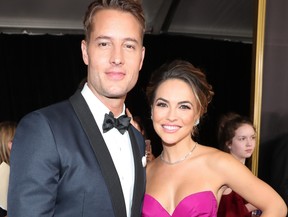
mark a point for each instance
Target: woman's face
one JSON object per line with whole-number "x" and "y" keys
{"x": 243, "y": 143}
{"x": 174, "y": 111}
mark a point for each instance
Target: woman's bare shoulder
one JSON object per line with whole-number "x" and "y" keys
{"x": 214, "y": 157}
{"x": 210, "y": 151}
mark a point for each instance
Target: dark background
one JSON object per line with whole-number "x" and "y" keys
{"x": 39, "y": 70}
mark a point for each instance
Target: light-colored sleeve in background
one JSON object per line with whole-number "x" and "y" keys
{"x": 4, "y": 174}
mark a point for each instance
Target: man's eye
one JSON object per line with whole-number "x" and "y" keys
{"x": 129, "y": 46}
{"x": 103, "y": 44}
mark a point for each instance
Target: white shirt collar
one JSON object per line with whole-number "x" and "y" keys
{"x": 97, "y": 108}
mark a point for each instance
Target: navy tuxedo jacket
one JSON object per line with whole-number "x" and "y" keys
{"x": 60, "y": 166}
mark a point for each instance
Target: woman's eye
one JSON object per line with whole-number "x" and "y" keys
{"x": 185, "y": 107}
{"x": 161, "y": 104}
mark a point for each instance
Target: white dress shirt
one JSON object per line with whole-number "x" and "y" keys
{"x": 118, "y": 145}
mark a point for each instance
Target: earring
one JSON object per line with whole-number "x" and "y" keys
{"x": 196, "y": 122}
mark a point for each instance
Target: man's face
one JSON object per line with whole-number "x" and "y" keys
{"x": 114, "y": 54}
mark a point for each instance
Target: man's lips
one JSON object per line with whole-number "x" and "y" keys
{"x": 115, "y": 75}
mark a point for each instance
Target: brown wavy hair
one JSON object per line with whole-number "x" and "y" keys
{"x": 185, "y": 71}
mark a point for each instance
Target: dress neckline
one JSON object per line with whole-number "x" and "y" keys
{"x": 181, "y": 201}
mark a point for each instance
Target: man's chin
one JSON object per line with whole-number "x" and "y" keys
{"x": 117, "y": 96}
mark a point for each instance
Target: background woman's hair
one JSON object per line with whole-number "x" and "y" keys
{"x": 7, "y": 132}
{"x": 228, "y": 124}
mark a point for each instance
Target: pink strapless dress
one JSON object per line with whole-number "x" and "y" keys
{"x": 202, "y": 204}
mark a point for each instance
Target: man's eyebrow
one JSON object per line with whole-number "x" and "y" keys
{"x": 110, "y": 38}
{"x": 102, "y": 37}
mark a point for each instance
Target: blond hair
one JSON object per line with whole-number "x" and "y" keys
{"x": 7, "y": 132}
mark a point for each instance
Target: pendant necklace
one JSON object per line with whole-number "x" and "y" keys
{"x": 180, "y": 160}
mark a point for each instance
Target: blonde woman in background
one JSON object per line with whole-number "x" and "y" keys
{"x": 7, "y": 131}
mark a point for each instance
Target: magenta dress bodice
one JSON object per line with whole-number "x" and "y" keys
{"x": 202, "y": 204}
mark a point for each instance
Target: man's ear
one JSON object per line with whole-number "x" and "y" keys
{"x": 84, "y": 52}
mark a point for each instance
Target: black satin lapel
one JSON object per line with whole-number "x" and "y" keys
{"x": 139, "y": 186}
{"x": 102, "y": 153}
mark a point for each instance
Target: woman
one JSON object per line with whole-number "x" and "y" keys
{"x": 236, "y": 135}
{"x": 188, "y": 179}
{"x": 7, "y": 132}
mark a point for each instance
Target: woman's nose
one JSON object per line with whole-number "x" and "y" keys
{"x": 249, "y": 142}
{"x": 171, "y": 115}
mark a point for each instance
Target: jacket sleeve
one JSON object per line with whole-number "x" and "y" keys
{"x": 34, "y": 169}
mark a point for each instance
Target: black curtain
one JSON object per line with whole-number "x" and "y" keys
{"x": 37, "y": 71}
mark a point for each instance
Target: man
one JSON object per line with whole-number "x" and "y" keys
{"x": 62, "y": 162}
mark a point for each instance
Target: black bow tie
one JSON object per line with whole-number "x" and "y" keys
{"x": 120, "y": 123}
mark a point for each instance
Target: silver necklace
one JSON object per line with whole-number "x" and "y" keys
{"x": 181, "y": 159}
